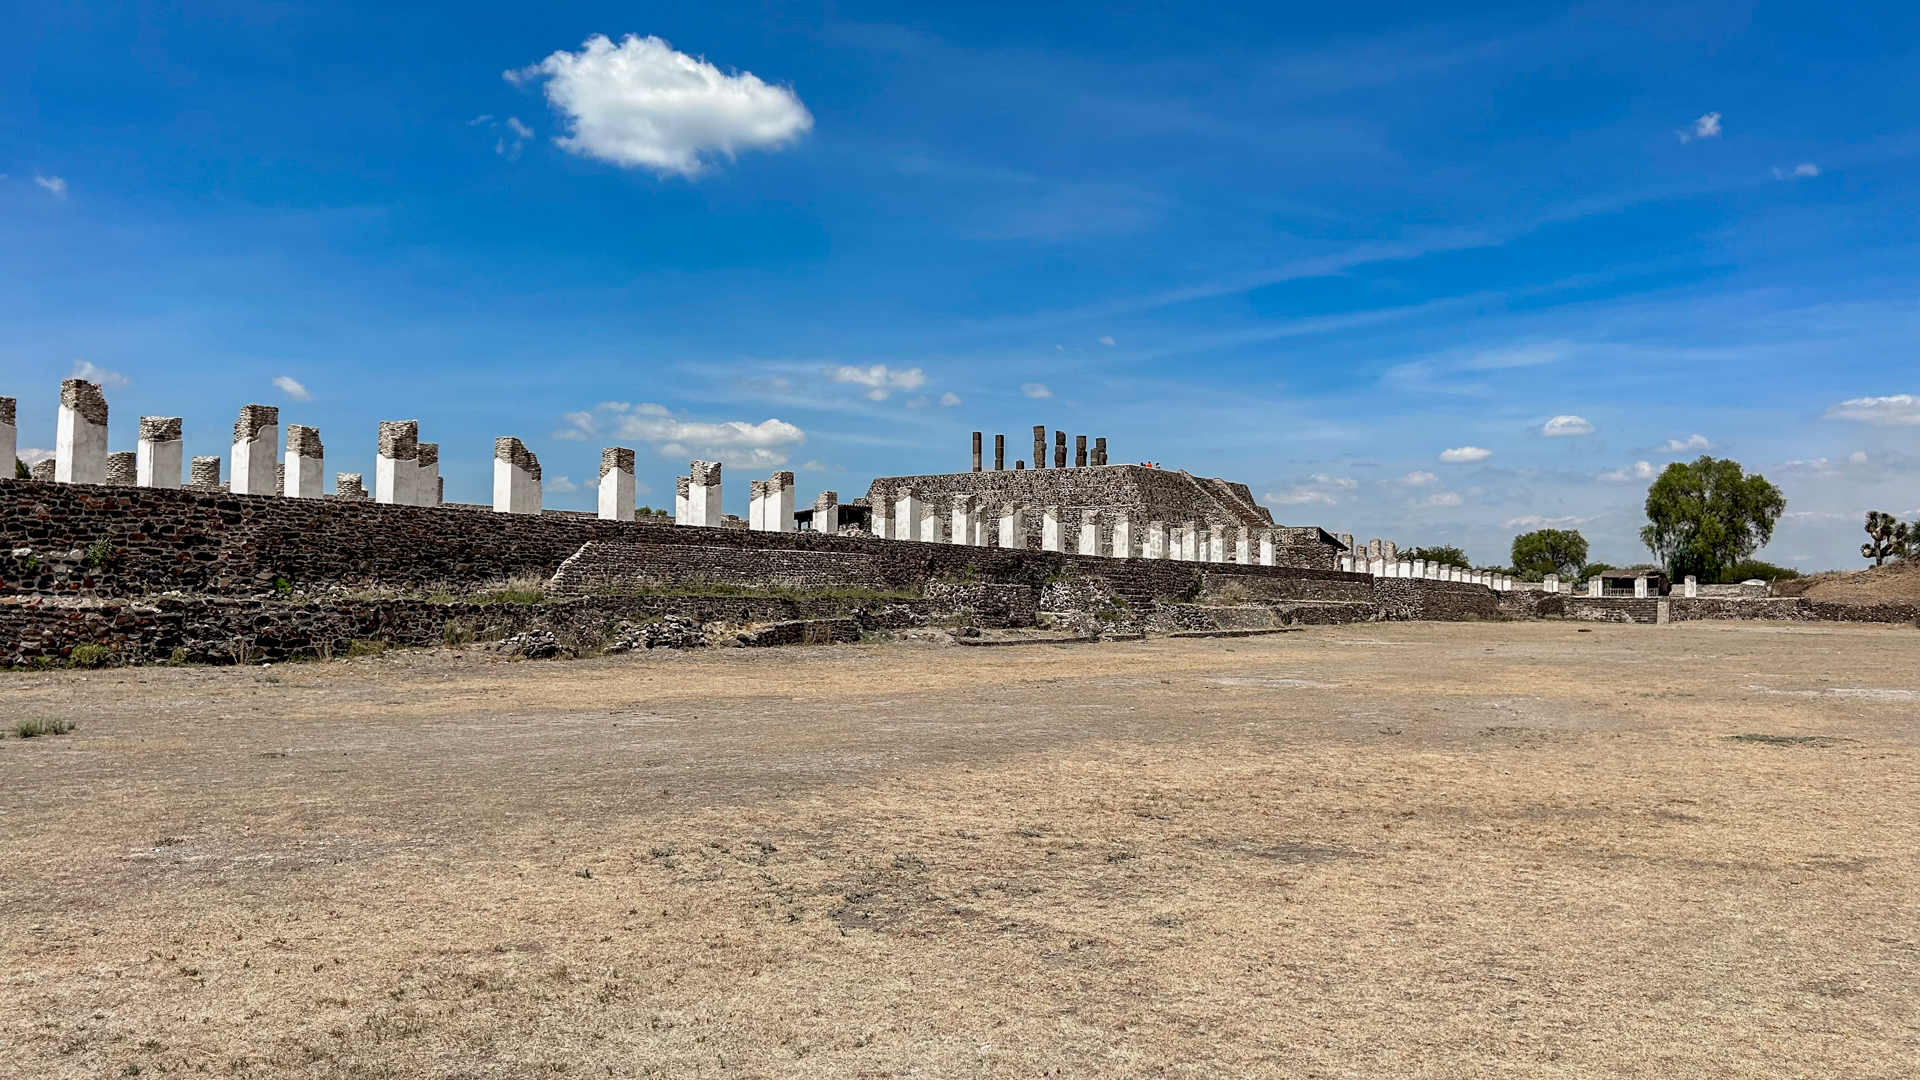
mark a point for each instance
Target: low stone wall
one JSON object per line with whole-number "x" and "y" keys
{"x": 600, "y": 565}
{"x": 1435, "y": 601}
{"x": 1618, "y": 609}
{"x": 1797, "y": 609}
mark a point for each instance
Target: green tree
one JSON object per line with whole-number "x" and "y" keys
{"x": 1549, "y": 551}
{"x": 1887, "y": 536}
{"x": 1446, "y": 556}
{"x": 1707, "y": 514}
{"x": 20, "y": 470}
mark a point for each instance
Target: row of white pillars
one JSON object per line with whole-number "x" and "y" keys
{"x": 1382, "y": 567}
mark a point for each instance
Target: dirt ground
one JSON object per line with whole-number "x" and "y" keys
{"x": 1892, "y": 583}
{"x": 1390, "y": 850}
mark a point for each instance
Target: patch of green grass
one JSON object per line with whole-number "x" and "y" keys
{"x": 779, "y": 592}
{"x": 456, "y": 632}
{"x": 1788, "y": 740}
{"x": 519, "y": 589}
{"x": 35, "y": 726}
{"x": 178, "y": 657}
{"x": 366, "y": 647}
{"x": 90, "y": 655}
{"x": 99, "y": 553}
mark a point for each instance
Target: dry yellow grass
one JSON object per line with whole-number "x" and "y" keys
{"x": 1389, "y": 850}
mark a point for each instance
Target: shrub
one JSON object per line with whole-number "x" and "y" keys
{"x": 366, "y": 647}
{"x": 99, "y": 553}
{"x": 177, "y": 658}
{"x": 1754, "y": 568}
{"x": 90, "y": 655}
{"x": 519, "y": 589}
{"x": 34, "y": 726}
{"x": 456, "y": 632}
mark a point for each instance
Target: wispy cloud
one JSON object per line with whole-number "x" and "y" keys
{"x": 1686, "y": 445}
{"x": 1535, "y": 521}
{"x": 881, "y": 381}
{"x": 1418, "y": 479}
{"x": 1035, "y": 390}
{"x": 291, "y": 387}
{"x": 1300, "y": 498}
{"x": 920, "y": 402}
{"x": 1564, "y": 425}
{"x": 53, "y": 184}
{"x": 732, "y": 441}
{"x": 558, "y": 485}
{"x": 949, "y": 399}
{"x": 1804, "y": 171}
{"x": 1639, "y": 470}
{"x": 1106, "y": 339}
{"x": 1462, "y": 455}
{"x": 643, "y": 104}
{"x": 1442, "y": 498}
{"x": 1707, "y": 127}
{"x": 94, "y": 373}
{"x": 1892, "y": 409}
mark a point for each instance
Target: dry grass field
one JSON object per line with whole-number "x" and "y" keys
{"x": 1398, "y": 850}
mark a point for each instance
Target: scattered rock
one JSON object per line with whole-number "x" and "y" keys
{"x": 532, "y": 645}
{"x": 670, "y": 632}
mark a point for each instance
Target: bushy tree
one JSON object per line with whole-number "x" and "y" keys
{"x": 1707, "y": 514}
{"x": 1548, "y": 551}
{"x": 20, "y": 470}
{"x": 1446, "y": 556}
{"x": 1765, "y": 571}
{"x": 1888, "y": 536}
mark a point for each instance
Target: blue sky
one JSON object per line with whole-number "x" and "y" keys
{"x": 1312, "y": 250}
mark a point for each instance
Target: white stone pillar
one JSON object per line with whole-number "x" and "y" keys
{"x": 826, "y": 512}
{"x": 80, "y": 436}
{"x": 930, "y": 531}
{"x": 1219, "y": 542}
{"x": 703, "y": 495}
{"x": 1052, "y": 536}
{"x": 157, "y": 456}
{"x": 399, "y": 459}
{"x": 680, "y": 486}
{"x": 1377, "y": 567}
{"x": 1088, "y": 542}
{"x": 1419, "y": 568}
{"x": 1692, "y": 587}
{"x": 1550, "y": 583}
{"x": 1640, "y": 587}
{"x": 1158, "y": 542}
{"x": 881, "y": 515}
{"x": 1190, "y": 539}
{"x": 616, "y": 484}
{"x": 1013, "y": 527}
{"x": 205, "y": 470}
{"x": 306, "y": 462}
{"x": 963, "y": 520}
{"x": 907, "y": 505}
{"x": 516, "y": 475}
{"x": 426, "y": 475}
{"x": 1125, "y": 544}
{"x": 9, "y": 437}
{"x": 1596, "y": 587}
{"x": 756, "y": 505}
{"x": 1243, "y": 546}
{"x": 256, "y": 445}
{"x": 780, "y": 503}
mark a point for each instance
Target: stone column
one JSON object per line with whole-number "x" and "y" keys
{"x": 907, "y": 505}
{"x": 306, "y": 462}
{"x": 1269, "y": 551}
{"x": 256, "y": 442}
{"x": 1088, "y": 543}
{"x": 1157, "y": 545}
{"x": 1377, "y": 567}
{"x": 826, "y": 512}
{"x": 1692, "y": 587}
{"x": 399, "y": 459}
{"x": 999, "y": 453}
{"x": 349, "y": 485}
{"x": 426, "y": 475}
{"x": 9, "y": 437}
{"x": 963, "y": 520}
{"x": 516, "y": 475}
{"x": 1100, "y": 450}
{"x": 616, "y": 484}
{"x": 680, "y": 486}
{"x": 1596, "y": 587}
{"x": 80, "y": 436}
{"x": 1190, "y": 541}
{"x": 929, "y": 521}
{"x": 1551, "y": 583}
{"x": 1419, "y": 569}
{"x": 205, "y": 471}
{"x": 1079, "y": 451}
{"x": 1013, "y": 527}
{"x": 976, "y": 451}
{"x": 1219, "y": 543}
{"x": 1040, "y": 446}
{"x": 1052, "y": 535}
{"x": 703, "y": 494}
{"x": 122, "y": 469}
{"x": 157, "y": 458}
{"x": 1346, "y": 541}
{"x": 780, "y": 503}
{"x": 1125, "y": 544}
{"x": 880, "y": 515}
{"x": 1059, "y": 449}
{"x": 1243, "y": 546}
{"x": 756, "y": 505}
{"x": 1388, "y": 551}
{"x": 1640, "y": 587}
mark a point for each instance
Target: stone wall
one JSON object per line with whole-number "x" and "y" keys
{"x": 601, "y": 565}
{"x": 1797, "y": 609}
{"x": 1437, "y": 601}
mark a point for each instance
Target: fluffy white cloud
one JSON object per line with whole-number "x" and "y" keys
{"x": 1858, "y": 457}
{"x": 558, "y": 484}
{"x": 1803, "y": 171}
{"x": 291, "y": 387}
{"x": 1567, "y": 425}
{"x": 1461, "y": 455}
{"x": 53, "y": 184}
{"x": 1443, "y": 498}
{"x": 949, "y": 399}
{"x": 1682, "y": 446}
{"x": 643, "y": 104}
{"x": 1892, "y": 409}
{"x": 1707, "y": 127}
{"x": 880, "y": 379}
{"x": 1639, "y": 470}
{"x": 1418, "y": 479}
{"x": 94, "y": 373}
{"x": 1035, "y": 390}
{"x": 734, "y": 441}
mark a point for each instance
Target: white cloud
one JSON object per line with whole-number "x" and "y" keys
{"x": 1418, "y": 479}
{"x": 558, "y": 484}
{"x": 1682, "y": 446}
{"x": 291, "y": 387}
{"x": 32, "y": 455}
{"x": 949, "y": 399}
{"x": 1858, "y": 457}
{"x": 920, "y": 402}
{"x": 1461, "y": 455}
{"x": 1035, "y": 390}
{"x": 821, "y": 466}
{"x": 881, "y": 380}
{"x": 1106, "y": 339}
{"x": 1444, "y": 498}
{"x": 1707, "y": 127}
{"x": 1334, "y": 481}
{"x": 1639, "y": 470}
{"x": 83, "y": 369}
{"x": 1567, "y": 425}
{"x": 1300, "y": 498}
{"x": 643, "y": 104}
{"x": 734, "y": 441}
{"x": 1535, "y": 521}
{"x": 1803, "y": 171}
{"x": 1893, "y": 409}
{"x": 53, "y": 184}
